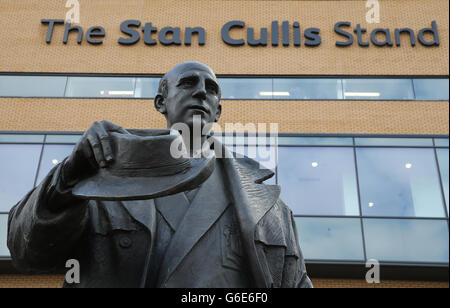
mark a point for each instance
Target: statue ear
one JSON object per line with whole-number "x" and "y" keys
{"x": 218, "y": 113}
{"x": 160, "y": 104}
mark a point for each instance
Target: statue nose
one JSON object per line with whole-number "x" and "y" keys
{"x": 200, "y": 92}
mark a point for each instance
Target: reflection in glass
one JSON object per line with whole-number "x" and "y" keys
{"x": 399, "y": 182}
{"x": 21, "y": 138}
{"x": 18, "y": 165}
{"x": 32, "y": 86}
{"x": 376, "y": 89}
{"x": 318, "y": 181}
{"x": 441, "y": 142}
{"x": 100, "y": 87}
{"x": 265, "y": 155}
{"x": 4, "y": 251}
{"x": 246, "y": 88}
{"x": 52, "y": 155}
{"x": 443, "y": 166}
{"x": 406, "y": 240}
{"x": 330, "y": 238}
{"x": 431, "y": 89}
{"x": 146, "y": 87}
{"x": 296, "y": 88}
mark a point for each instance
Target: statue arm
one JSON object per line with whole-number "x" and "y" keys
{"x": 45, "y": 226}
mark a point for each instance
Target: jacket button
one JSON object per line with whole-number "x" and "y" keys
{"x": 125, "y": 242}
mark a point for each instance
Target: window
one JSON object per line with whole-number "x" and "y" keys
{"x": 146, "y": 87}
{"x": 431, "y": 89}
{"x": 297, "y": 88}
{"x": 376, "y": 89}
{"x": 246, "y": 88}
{"x": 330, "y": 238}
{"x": 100, "y": 87}
{"x": 442, "y": 155}
{"x": 4, "y": 251}
{"x": 399, "y": 182}
{"x": 406, "y": 240}
{"x": 18, "y": 165}
{"x": 52, "y": 155}
{"x": 318, "y": 181}
{"x": 32, "y": 86}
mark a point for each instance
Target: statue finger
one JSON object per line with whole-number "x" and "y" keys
{"x": 96, "y": 147}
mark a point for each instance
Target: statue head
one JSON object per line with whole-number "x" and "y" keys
{"x": 189, "y": 89}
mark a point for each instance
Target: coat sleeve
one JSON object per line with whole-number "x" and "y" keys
{"x": 45, "y": 226}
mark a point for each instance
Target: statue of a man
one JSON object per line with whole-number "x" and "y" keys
{"x": 231, "y": 231}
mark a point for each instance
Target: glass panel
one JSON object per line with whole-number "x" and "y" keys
{"x": 32, "y": 86}
{"x": 431, "y": 89}
{"x": 246, "y": 88}
{"x": 146, "y": 87}
{"x": 4, "y": 251}
{"x": 18, "y": 165}
{"x": 318, "y": 181}
{"x": 330, "y": 238}
{"x": 427, "y": 142}
{"x": 266, "y": 156}
{"x": 318, "y": 88}
{"x": 100, "y": 87}
{"x": 406, "y": 240}
{"x": 314, "y": 141}
{"x": 62, "y": 138}
{"x": 378, "y": 89}
{"x": 53, "y": 154}
{"x": 441, "y": 142}
{"x": 444, "y": 166}
{"x": 15, "y": 138}
{"x": 399, "y": 182}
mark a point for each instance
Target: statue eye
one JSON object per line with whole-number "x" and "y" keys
{"x": 187, "y": 82}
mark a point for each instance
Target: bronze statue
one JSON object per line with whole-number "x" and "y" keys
{"x": 215, "y": 225}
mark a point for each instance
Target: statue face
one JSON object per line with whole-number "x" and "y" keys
{"x": 192, "y": 90}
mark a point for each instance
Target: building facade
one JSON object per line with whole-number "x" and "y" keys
{"x": 357, "y": 91}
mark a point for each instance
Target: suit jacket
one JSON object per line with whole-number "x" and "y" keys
{"x": 114, "y": 241}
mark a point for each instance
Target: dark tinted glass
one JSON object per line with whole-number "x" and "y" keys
{"x": 408, "y": 240}
{"x": 318, "y": 181}
{"x": 399, "y": 182}
{"x": 330, "y": 238}
{"x": 431, "y": 89}
{"x": 18, "y": 166}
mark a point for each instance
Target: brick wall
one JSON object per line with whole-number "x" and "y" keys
{"x": 54, "y": 281}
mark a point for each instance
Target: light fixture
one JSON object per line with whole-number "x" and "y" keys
{"x": 55, "y": 161}
{"x": 371, "y": 204}
{"x": 363, "y": 94}
{"x": 102, "y": 92}
{"x": 315, "y": 164}
{"x": 408, "y": 166}
{"x": 274, "y": 94}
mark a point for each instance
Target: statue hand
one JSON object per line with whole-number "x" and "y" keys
{"x": 93, "y": 151}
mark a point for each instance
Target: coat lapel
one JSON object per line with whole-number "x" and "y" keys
{"x": 205, "y": 209}
{"x": 172, "y": 208}
{"x": 142, "y": 211}
{"x": 252, "y": 200}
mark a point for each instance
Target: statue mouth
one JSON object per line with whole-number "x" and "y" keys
{"x": 199, "y": 108}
